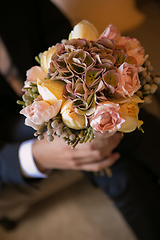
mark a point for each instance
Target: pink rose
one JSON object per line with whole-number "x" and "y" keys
{"x": 111, "y": 32}
{"x": 122, "y": 41}
{"x": 39, "y": 112}
{"x": 34, "y": 73}
{"x": 134, "y": 49}
{"x": 132, "y": 45}
{"x": 128, "y": 80}
{"x": 106, "y": 118}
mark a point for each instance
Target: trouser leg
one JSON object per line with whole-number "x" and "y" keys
{"x": 14, "y": 201}
{"x": 136, "y": 192}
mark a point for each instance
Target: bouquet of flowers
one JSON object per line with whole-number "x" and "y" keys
{"x": 88, "y": 84}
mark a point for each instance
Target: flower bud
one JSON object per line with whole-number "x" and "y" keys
{"x": 148, "y": 99}
{"x": 33, "y": 74}
{"x": 84, "y": 29}
{"x": 129, "y": 111}
{"x": 46, "y": 58}
{"x": 51, "y": 91}
{"x": 157, "y": 80}
{"x": 147, "y": 87}
{"x": 153, "y": 88}
{"x": 72, "y": 119}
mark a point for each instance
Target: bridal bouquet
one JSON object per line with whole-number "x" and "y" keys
{"x": 88, "y": 84}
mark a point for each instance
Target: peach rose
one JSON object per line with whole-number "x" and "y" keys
{"x": 134, "y": 49}
{"x": 132, "y": 45}
{"x": 129, "y": 82}
{"x": 122, "y": 41}
{"x": 34, "y": 73}
{"x": 39, "y": 112}
{"x": 111, "y": 32}
{"x": 106, "y": 118}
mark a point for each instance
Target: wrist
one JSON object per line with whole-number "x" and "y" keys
{"x": 37, "y": 157}
{"x": 27, "y": 162}
{"x": 40, "y": 167}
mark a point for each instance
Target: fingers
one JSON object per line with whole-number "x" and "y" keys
{"x": 109, "y": 143}
{"x": 58, "y": 155}
{"x": 100, "y": 165}
{"x": 88, "y": 156}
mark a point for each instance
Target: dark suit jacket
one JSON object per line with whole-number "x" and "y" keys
{"x": 27, "y": 28}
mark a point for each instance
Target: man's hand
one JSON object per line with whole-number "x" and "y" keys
{"x": 93, "y": 156}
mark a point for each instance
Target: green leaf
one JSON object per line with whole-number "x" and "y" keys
{"x": 38, "y": 60}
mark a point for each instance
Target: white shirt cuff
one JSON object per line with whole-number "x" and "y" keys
{"x": 27, "y": 164}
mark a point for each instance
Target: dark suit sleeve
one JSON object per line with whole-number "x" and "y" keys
{"x": 144, "y": 147}
{"x": 11, "y": 139}
{"x": 9, "y": 164}
{"x": 148, "y": 144}
{"x": 12, "y": 133}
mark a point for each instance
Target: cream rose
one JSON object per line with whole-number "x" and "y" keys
{"x": 129, "y": 110}
{"x": 39, "y": 112}
{"x": 129, "y": 82}
{"x": 46, "y": 58}
{"x": 84, "y": 29}
{"x": 106, "y": 118}
{"x": 51, "y": 90}
{"x": 72, "y": 119}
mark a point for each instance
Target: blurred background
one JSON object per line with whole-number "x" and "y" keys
{"x": 78, "y": 210}
{"x": 122, "y": 13}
